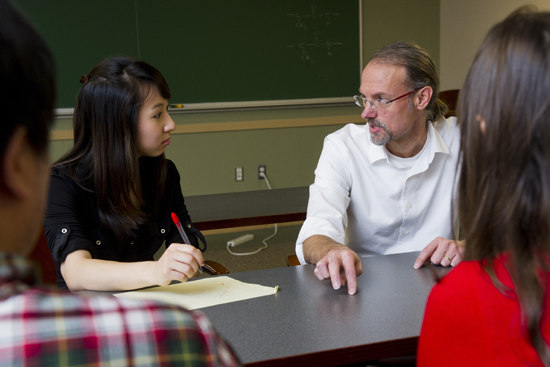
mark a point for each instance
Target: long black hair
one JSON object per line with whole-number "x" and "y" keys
{"x": 104, "y": 158}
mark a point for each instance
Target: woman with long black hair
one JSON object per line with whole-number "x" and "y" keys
{"x": 112, "y": 194}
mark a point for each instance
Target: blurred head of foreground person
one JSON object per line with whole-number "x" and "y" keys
{"x": 40, "y": 326}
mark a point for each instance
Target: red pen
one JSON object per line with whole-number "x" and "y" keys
{"x": 177, "y": 222}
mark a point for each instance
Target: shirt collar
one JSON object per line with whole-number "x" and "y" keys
{"x": 434, "y": 144}
{"x": 377, "y": 153}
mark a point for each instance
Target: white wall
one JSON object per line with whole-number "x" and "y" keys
{"x": 464, "y": 24}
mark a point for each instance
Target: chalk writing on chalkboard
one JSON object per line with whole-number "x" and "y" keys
{"x": 315, "y": 27}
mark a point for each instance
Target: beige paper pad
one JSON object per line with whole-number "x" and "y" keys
{"x": 203, "y": 293}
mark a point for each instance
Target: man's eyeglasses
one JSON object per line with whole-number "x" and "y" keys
{"x": 379, "y": 103}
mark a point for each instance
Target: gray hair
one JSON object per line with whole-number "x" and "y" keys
{"x": 421, "y": 71}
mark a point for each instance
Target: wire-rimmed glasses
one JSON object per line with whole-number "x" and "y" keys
{"x": 379, "y": 103}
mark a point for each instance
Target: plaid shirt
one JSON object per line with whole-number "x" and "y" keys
{"x": 43, "y": 327}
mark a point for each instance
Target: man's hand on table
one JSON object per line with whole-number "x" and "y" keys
{"x": 441, "y": 251}
{"x": 337, "y": 259}
{"x": 334, "y": 261}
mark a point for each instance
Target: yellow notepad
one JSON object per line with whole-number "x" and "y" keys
{"x": 203, "y": 292}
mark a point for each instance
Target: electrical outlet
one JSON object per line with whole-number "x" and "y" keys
{"x": 239, "y": 174}
{"x": 262, "y": 169}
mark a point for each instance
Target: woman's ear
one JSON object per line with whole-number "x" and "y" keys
{"x": 482, "y": 124}
{"x": 423, "y": 97}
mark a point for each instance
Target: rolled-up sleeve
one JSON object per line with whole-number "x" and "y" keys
{"x": 328, "y": 197}
{"x": 65, "y": 222}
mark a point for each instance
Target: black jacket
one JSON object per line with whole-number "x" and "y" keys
{"x": 72, "y": 222}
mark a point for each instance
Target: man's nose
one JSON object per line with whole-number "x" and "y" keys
{"x": 368, "y": 112}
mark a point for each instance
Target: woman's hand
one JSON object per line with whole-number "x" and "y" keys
{"x": 179, "y": 262}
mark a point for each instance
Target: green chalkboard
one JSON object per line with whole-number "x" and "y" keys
{"x": 210, "y": 50}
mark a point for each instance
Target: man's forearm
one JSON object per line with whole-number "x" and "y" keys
{"x": 317, "y": 246}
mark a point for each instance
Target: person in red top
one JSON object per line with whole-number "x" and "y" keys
{"x": 493, "y": 308}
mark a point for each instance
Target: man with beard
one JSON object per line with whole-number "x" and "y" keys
{"x": 385, "y": 187}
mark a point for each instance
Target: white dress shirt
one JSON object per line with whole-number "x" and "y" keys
{"x": 376, "y": 203}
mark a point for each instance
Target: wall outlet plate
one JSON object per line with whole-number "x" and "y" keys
{"x": 262, "y": 169}
{"x": 239, "y": 174}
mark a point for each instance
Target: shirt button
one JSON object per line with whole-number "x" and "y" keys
{"x": 162, "y": 231}
{"x": 98, "y": 242}
{"x": 409, "y": 205}
{"x": 406, "y": 232}
{"x": 189, "y": 226}
{"x": 131, "y": 242}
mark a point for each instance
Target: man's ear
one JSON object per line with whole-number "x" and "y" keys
{"x": 423, "y": 97}
{"x": 16, "y": 164}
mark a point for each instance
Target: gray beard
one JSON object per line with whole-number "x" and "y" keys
{"x": 380, "y": 139}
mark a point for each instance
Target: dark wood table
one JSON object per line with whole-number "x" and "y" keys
{"x": 307, "y": 323}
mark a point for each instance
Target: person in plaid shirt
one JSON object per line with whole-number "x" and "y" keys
{"x": 45, "y": 327}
